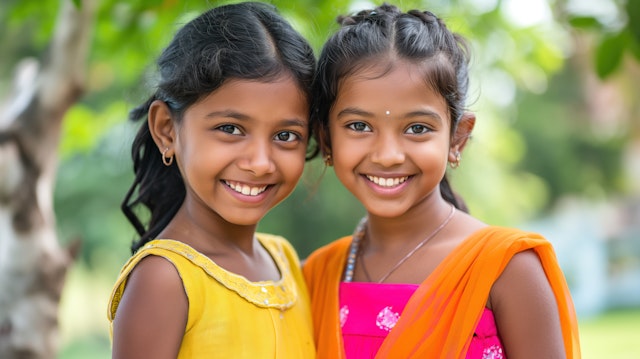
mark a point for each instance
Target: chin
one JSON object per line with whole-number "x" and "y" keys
{"x": 244, "y": 219}
{"x": 386, "y": 212}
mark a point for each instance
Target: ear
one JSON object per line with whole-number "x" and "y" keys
{"x": 162, "y": 127}
{"x": 461, "y": 136}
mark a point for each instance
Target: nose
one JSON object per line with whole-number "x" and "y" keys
{"x": 387, "y": 151}
{"x": 257, "y": 158}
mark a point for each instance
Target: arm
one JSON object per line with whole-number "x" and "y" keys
{"x": 526, "y": 311}
{"x": 152, "y": 315}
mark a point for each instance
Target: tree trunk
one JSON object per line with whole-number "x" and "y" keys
{"x": 32, "y": 262}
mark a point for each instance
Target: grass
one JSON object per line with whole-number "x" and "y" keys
{"x": 612, "y": 335}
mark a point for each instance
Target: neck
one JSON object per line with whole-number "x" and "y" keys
{"x": 212, "y": 234}
{"x": 384, "y": 233}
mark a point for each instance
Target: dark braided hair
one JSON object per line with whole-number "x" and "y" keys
{"x": 247, "y": 40}
{"x": 415, "y": 36}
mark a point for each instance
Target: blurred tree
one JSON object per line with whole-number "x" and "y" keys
{"x": 32, "y": 263}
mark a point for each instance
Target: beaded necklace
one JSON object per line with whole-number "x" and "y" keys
{"x": 355, "y": 249}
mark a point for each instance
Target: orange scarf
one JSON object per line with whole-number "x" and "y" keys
{"x": 440, "y": 318}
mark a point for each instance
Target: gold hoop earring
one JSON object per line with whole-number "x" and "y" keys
{"x": 166, "y": 160}
{"x": 328, "y": 161}
{"x": 455, "y": 164}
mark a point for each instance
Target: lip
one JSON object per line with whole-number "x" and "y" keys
{"x": 247, "y": 192}
{"x": 387, "y": 184}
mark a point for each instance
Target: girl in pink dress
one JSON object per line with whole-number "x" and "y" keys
{"x": 420, "y": 277}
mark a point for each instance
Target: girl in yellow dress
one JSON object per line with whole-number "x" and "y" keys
{"x": 224, "y": 140}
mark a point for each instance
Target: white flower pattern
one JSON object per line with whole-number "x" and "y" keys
{"x": 387, "y": 318}
{"x": 344, "y": 314}
{"x": 492, "y": 352}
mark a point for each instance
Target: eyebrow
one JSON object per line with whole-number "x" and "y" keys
{"x": 424, "y": 113}
{"x": 242, "y": 117}
{"x": 293, "y": 122}
{"x": 359, "y": 112}
{"x": 227, "y": 113}
{"x": 354, "y": 111}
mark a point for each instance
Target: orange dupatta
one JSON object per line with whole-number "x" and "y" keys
{"x": 439, "y": 319}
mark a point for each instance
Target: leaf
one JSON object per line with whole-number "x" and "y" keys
{"x": 609, "y": 55}
{"x": 633, "y": 15}
{"x": 585, "y": 22}
{"x": 78, "y": 3}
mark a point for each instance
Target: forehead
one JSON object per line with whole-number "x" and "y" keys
{"x": 279, "y": 97}
{"x": 386, "y": 86}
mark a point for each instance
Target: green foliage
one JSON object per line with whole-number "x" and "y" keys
{"x": 614, "y": 41}
{"x": 585, "y": 22}
{"x": 534, "y": 141}
{"x": 83, "y": 127}
{"x": 609, "y": 54}
{"x": 563, "y": 145}
{"x": 90, "y": 188}
{"x": 633, "y": 18}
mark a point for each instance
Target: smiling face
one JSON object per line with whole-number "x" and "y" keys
{"x": 390, "y": 138}
{"x": 241, "y": 150}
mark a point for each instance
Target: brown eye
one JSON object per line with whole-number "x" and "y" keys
{"x": 417, "y": 129}
{"x": 359, "y": 127}
{"x": 230, "y": 129}
{"x": 286, "y": 136}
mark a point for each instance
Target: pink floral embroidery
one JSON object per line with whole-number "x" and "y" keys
{"x": 492, "y": 352}
{"x": 387, "y": 318}
{"x": 344, "y": 313}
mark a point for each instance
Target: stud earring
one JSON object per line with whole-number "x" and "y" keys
{"x": 166, "y": 160}
{"x": 387, "y": 113}
{"x": 456, "y": 163}
{"x": 328, "y": 161}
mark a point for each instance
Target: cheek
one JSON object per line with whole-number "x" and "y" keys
{"x": 189, "y": 156}
{"x": 297, "y": 169}
{"x": 432, "y": 159}
{"x": 345, "y": 165}
{"x": 342, "y": 145}
{"x": 197, "y": 157}
{"x": 292, "y": 163}
{"x": 345, "y": 157}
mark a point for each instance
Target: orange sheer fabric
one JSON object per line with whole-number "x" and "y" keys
{"x": 439, "y": 319}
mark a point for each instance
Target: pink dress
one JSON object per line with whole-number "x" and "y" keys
{"x": 368, "y": 311}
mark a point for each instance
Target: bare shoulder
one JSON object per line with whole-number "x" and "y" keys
{"x": 154, "y": 273}
{"x": 523, "y": 270}
{"x": 152, "y": 315}
{"x": 525, "y": 309}
{"x": 462, "y": 226}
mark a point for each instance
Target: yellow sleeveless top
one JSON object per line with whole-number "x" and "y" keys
{"x": 229, "y": 316}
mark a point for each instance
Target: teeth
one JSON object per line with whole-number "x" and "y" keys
{"x": 387, "y": 182}
{"x": 245, "y": 189}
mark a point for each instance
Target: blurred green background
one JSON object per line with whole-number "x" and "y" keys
{"x": 556, "y": 146}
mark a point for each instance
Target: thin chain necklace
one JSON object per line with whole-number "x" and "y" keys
{"x": 356, "y": 249}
